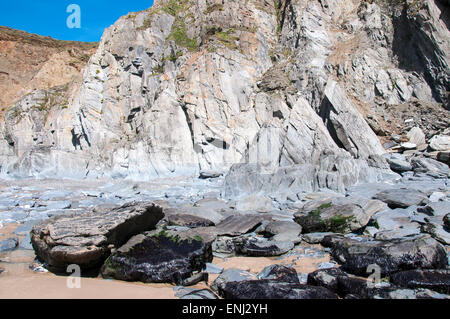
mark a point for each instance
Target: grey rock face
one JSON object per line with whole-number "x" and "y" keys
{"x": 238, "y": 225}
{"x": 186, "y": 220}
{"x": 86, "y": 239}
{"x": 410, "y": 253}
{"x": 159, "y": 258}
{"x": 402, "y": 198}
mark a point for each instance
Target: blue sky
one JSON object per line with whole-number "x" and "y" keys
{"x": 48, "y": 17}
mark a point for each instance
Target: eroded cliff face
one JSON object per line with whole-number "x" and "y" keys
{"x": 279, "y": 91}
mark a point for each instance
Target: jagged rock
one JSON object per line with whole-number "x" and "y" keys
{"x": 401, "y": 254}
{"x": 437, "y": 280}
{"x": 334, "y": 218}
{"x": 256, "y": 247}
{"x": 327, "y": 278}
{"x": 8, "y": 244}
{"x": 190, "y": 221}
{"x": 279, "y": 273}
{"x": 158, "y": 258}
{"x": 273, "y": 289}
{"x": 86, "y": 239}
{"x": 402, "y": 197}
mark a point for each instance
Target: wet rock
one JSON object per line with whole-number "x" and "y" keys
{"x": 273, "y": 289}
{"x": 279, "y": 273}
{"x": 213, "y": 269}
{"x": 401, "y": 254}
{"x": 86, "y": 239}
{"x": 437, "y": 280}
{"x": 402, "y": 197}
{"x": 158, "y": 258}
{"x": 231, "y": 275}
{"x": 8, "y": 244}
{"x": 257, "y": 247}
{"x": 204, "y": 294}
{"x": 25, "y": 244}
{"x": 239, "y": 225}
{"x": 327, "y": 278}
{"x": 333, "y": 218}
{"x": 190, "y": 221}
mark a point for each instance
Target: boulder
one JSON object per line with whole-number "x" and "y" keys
{"x": 393, "y": 256}
{"x": 437, "y": 280}
{"x": 87, "y": 239}
{"x": 8, "y": 244}
{"x": 398, "y": 163}
{"x": 327, "y": 278}
{"x": 315, "y": 238}
{"x": 440, "y": 143}
{"x": 273, "y": 289}
{"x": 334, "y": 218}
{"x": 402, "y": 197}
{"x": 231, "y": 275}
{"x": 158, "y": 258}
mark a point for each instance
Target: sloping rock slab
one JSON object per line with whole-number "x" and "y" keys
{"x": 273, "y": 289}
{"x": 393, "y": 256}
{"x": 239, "y": 225}
{"x": 158, "y": 258}
{"x": 437, "y": 280}
{"x": 327, "y": 278}
{"x": 279, "y": 273}
{"x": 86, "y": 239}
{"x": 402, "y": 198}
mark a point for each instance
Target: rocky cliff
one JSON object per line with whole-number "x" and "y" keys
{"x": 276, "y": 94}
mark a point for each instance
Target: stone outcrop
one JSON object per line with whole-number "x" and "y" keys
{"x": 158, "y": 258}
{"x": 87, "y": 239}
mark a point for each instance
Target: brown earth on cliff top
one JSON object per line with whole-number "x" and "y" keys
{"x": 29, "y": 62}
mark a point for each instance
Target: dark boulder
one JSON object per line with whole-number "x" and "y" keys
{"x": 437, "y": 280}
{"x": 158, "y": 258}
{"x": 87, "y": 239}
{"x": 257, "y": 247}
{"x": 447, "y": 222}
{"x": 401, "y": 254}
{"x": 273, "y": 289}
